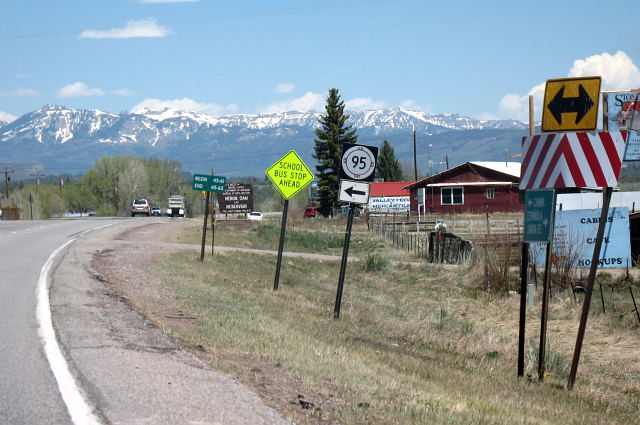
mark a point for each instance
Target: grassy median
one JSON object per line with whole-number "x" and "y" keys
{"x": 419, "y": 345}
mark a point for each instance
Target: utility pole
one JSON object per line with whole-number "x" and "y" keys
{"x": 7, "y": 179}
{"x": 60, "y": 182}
{"x": 415, "y": 161}
{"x": 430, "y": 162}
{"x": 37, "y": 175}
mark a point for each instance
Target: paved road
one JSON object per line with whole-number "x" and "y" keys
{"x": 28, "y": 390}
{"x": 113, "y": 366}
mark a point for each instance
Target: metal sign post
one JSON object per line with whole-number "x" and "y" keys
{"x": 545, "y": 307}
{"x": 606, "y": 200}
{"x": 290, "y": 175}
{"x": 213, "y": 225}
{"x": 546, "y": 289}
{"x": 208, "y": 184}
{"x": 595, "y": 260}
{"x": 538, "y": 227}
{"x": 283, "y": 226}
{"x": 213, "y": 220}
{"x": 355, "y": 193}
{"x": 524, "y": 272}
{"x": 204, "y": 225}
{"x": 357, "y": 167}
{"x": 343, "y": 263}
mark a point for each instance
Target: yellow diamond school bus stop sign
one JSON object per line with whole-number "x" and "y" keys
{"x": 289, "y": 174}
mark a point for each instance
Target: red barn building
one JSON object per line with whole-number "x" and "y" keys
{"x": 472, "y": 187}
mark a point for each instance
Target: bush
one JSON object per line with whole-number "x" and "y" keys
{"x": 555, "y": 363}
{"x": 495, "y": 261}
{"x": 374, "y": 262}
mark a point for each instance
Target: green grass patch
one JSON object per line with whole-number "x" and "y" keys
{"x": 266, "y": 235}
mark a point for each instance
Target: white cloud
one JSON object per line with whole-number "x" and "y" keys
{"x": 167, "y": 1}
{"x": 20, "y": 92}
{"x": 412, "y": 105}
{"x": 142, "y": 28}
{"x": 515, "y": 106}
{"x": 486, "y": 116}
{"x": 78, "y": 89}
{"x": 364, "y": 104}
{"x": 283, "y": 88}
{"x": 309, "y": 101}
{"x": 618, "y": 72}
{"x": 5, "y": 116}
{"x": 185, "y": 104}
{"x": 123, "y": 92}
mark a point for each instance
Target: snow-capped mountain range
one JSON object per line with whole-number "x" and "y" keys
{"x": 184, "y": 135}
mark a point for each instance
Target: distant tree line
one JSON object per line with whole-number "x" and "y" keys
{"x": 106, "y": 189}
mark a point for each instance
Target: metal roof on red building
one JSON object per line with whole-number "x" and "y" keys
{"x": 389, "y": 189}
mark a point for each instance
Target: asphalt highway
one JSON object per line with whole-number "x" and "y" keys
{"x": 28, "y": 389}
{"x": 73, "y": 353}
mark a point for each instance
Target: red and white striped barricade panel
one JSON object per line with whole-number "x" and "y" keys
{"x": 559, "y": 160}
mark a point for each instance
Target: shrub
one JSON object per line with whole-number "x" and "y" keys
{"x": 374, "y": 262}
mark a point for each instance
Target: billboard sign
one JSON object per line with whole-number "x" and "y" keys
{"x": 398, "y": 204}
{"x": 236, "y": 199}
{"x": 624, "y": 115}
{"x": 575, "y": 236}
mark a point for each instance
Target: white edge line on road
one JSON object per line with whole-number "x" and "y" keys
{"x": 80, "y": 411}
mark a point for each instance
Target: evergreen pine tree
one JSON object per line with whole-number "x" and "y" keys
{"x": 388, "y": 167}
{"x": 330, "y": 137}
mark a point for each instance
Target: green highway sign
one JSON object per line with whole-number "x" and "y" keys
{"x": 209, "y": 183}
{"x": 539, "y": 206}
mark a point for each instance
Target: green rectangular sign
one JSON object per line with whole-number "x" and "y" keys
{"x": 207, "y": 183}
{"x": 539, "y": 206}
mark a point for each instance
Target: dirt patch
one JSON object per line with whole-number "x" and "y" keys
{"x": 128, "y": 267}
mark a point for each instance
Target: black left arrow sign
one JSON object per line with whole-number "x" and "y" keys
{"x": 581, "y": 104}
{"x": 351, "y": 191}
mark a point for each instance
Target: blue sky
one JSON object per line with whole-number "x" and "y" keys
{"x": 477, "y": 58}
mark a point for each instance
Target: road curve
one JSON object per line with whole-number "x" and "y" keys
{"x": 28, "y": 390}
{"x": 126, "y": 370}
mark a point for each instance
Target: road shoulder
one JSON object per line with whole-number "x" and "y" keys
{"x": 130, "y": 370}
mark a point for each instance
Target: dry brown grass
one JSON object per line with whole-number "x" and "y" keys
{"x": 413, "y": 346}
